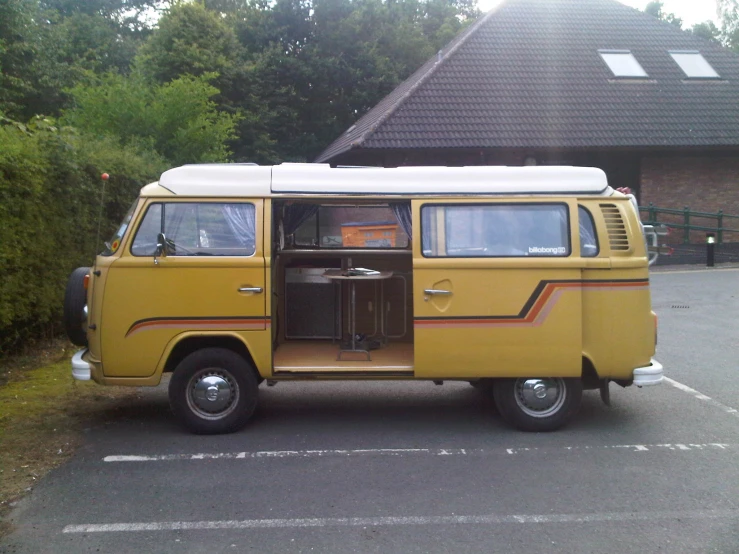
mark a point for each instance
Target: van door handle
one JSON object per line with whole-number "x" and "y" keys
{"x": 251, "y": 289}
{"x": 438, "y": 291}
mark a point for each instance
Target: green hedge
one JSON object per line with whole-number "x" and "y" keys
{"x": 50, "y": 203}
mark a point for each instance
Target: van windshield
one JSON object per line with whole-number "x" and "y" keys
{"x": 112, "y": 246}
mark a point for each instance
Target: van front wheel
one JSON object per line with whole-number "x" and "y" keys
{"x": 538, "y": 404}
{"x": 213, "y": 390}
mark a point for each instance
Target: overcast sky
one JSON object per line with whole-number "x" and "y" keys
{"x": 690, "y": 11}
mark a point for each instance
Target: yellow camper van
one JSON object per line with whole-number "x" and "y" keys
{"x": 530, "y": 282}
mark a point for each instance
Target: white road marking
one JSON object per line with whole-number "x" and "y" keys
{"x": 409, "y": 452}
{"x": 289, "y": 454}
{"x": 629, "y": 447}
{"x": 490, "y": 519}
{"x": 701, "y": 396}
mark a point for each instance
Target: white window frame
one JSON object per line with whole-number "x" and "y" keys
{"x": 641, "y": 74}
{"x": 701, "y": 60}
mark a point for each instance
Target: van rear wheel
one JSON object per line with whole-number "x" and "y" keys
{"x": 212, "y": 391}
{"x": 538, "y": 404}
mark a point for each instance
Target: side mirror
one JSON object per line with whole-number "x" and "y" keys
{"x": 162, "y": 248}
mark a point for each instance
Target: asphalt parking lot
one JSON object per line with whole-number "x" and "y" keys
{"x": 413, "y": 467}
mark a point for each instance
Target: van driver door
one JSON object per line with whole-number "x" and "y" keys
{"x": 497, "y": 291}
{"x": 211, "y": 280}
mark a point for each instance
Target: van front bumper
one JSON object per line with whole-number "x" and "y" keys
{"x": 81, "y": 369}
{"x": 649, "y": 375}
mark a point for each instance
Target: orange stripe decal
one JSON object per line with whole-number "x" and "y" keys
{"x": 200, "y": 324}
{"x": 536, "y": 310}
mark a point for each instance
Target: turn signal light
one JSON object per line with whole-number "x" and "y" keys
{"x": 86, "y": 281}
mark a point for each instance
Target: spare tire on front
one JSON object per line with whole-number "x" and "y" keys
{"x": 75, "y": 300}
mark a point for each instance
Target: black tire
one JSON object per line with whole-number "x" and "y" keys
{"x": 221, "y": 405}
{"x": 75, "y": 299}
{"x": 519, "y": 408}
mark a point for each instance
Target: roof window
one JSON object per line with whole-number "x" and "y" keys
{"x": 622, "y": 63}
{"x": 693, "y": 64}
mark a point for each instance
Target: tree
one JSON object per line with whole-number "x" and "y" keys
{"x": 319, "y": 65}
{"x": 65, "y": 49}
{"x": 178, "y": 120}
{"x": 728, "y": 12}
{"x": 47, "y": 46}
{"x": 191, "y": 41}
{"x": 118, "y": 10}
{"x": 707, "y": 30}
{"x": 655, "y": 9}
{"x": 17, "y": 52}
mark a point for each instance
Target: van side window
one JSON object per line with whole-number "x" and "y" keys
{"x": 145, "y": 241}
{"x": 588, "y": 237}
{"x": 198, "y": 229}
{"x": 495, "y": 230}
{"x": 346, "y": 226}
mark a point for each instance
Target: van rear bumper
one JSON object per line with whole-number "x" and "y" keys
{"x": 649, "y": 375}
{"x": 81, "y": 369}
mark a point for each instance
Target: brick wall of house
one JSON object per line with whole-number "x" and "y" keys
{"x": 701, "y": 183}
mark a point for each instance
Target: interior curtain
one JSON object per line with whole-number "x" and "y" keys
{"x": 402, "y": 211}
{"x": 174, "y": 214}
{"x": 428, "y": 220}
{"x": 241, "y": 218}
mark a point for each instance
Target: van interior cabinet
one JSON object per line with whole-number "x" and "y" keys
{"x": 312, "y": 305}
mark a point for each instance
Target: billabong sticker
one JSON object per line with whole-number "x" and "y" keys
{"x": 547, "y": 250}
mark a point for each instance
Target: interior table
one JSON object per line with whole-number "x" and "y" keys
{"x": 353, "y": 275}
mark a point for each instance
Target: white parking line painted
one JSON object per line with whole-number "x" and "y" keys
{"x": 290, "y": 454}
{"x": 411, "y": 452}
{"x": 629, "y": 447}
{"x": 701, "y": 396}
{"x": 490, "y": 519}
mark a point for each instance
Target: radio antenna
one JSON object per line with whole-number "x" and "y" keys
{"x": 105, "y": 178}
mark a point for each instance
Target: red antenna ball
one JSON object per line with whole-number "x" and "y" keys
{"x": 105, "y": 176}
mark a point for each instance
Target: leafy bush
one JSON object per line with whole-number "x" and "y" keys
{"x": 50, "y": 193}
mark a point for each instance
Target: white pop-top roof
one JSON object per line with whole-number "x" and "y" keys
{"x": 247, "y": 180}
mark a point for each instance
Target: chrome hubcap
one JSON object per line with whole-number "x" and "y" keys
{"x": 540, "y": 397}
{"x": 212, "y": 393}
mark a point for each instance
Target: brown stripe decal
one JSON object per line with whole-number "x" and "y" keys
{"x": 200, "y": 324}
{"x": 535, "y": 311}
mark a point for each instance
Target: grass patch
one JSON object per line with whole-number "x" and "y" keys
{"x": 42, "y": 414}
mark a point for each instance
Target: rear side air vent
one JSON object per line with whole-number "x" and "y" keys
{"x": 617, "y": 236}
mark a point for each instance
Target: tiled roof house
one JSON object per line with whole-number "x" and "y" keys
{"x": 577, "y": 82}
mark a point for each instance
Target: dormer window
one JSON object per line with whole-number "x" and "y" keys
{"x": 693, "y": 64}
{"x": 622, "y": 63}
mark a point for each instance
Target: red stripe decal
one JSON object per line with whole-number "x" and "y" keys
{"x": 199, "y": 324}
